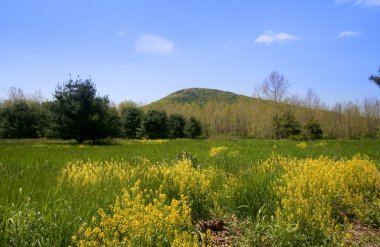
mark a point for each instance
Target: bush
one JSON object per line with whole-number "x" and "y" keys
{"x": 313, "y": 130}
{"x": 286, "y": 125}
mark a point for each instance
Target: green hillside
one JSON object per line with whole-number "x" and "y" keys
{"x": 200, "y": 96}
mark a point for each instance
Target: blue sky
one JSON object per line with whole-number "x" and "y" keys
{"x": 143, "y": 50}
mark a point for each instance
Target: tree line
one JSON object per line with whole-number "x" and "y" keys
{"x": 77, "y": 112}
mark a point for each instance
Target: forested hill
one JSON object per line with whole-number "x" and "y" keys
{"x": 200, "y": 96}
{"x": 228, "y": 114}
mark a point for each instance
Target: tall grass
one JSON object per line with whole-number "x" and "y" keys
{"x": 40, "y": 205}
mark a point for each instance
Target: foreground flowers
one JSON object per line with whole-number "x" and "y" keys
{"x": 313, "y": 201}
{"x": 140, "y": 218}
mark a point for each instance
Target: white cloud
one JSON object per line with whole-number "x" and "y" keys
{"x": 154, "y": 44}
{"x": 346, "y": 34}
{"x": 368, "y": 3}
{"x": 270, "y": 37}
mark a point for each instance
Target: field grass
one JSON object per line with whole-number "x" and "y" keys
{"x": 44, "y": 196}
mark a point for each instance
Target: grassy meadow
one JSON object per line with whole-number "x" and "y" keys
{"x": 155, "y": 193}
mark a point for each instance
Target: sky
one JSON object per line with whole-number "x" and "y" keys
{"x": 142, "y": 50}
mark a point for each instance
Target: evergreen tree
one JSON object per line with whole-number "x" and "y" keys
{"x": 132, "y": 121}
{"x": 313, "y": 130}
{"x": 194, "y": 128}
{"x": 286, "y": 125}
{"x": 155, "y": 124}
{"x": 83, "y": 115}
{"x": 177, "y": 126}
{"x": 21, "y": 119}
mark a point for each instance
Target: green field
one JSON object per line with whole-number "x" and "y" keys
{"x": 44, "y": 199}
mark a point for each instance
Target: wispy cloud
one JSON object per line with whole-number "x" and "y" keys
{"x": 154, "y": 44}
{"x": 122, "y": 32}
{"x": 368, "y": 3}
{"x": 270, "y": 37}
{"x": 347, "y": 34}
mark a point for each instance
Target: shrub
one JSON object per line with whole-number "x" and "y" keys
{"x": 285, "y": 126}
{"x": 313, "y": 130}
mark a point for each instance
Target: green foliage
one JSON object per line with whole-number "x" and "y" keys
{"x": 22, "y": 119}
{"x": 155, "y": 124}
{"x": 25, "y": 226}
{"x": 285, "y": 126}
{"x": 83, "y": 115}
{"x": 132, "y": 117}
{"x": 177, "y": 126}
{"x": 375, "y": 79}
{"x": 200, "y": 96}
{"x": 313, "y": 130}
{"x": 194, "y": 128}
{"x": 186, "y": 155}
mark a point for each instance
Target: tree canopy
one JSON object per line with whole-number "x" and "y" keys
{"x": 275, "y": 87}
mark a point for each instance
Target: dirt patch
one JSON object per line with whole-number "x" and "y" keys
{"x": 219, "y": 232}
{"x": 362, "y": 235}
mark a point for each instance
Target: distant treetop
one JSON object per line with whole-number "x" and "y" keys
{"x": 376, "y": 79}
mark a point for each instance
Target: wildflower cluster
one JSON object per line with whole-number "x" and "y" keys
{"x": 80, "y": 173}
{"x": 140, "y": 218}
{"x": 183, "y": 179}
{"x": 302, "y": 145}
{"x": 320, "y": 197}
{"x": 156, "y": 141}
{"x": 214, "y": 151}
{"x": 320, "y": 144}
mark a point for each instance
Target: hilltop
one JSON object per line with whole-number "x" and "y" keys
{"x": 200, "y": 96}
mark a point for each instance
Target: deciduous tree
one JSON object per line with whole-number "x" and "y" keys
{"x": 275, "y": 87}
